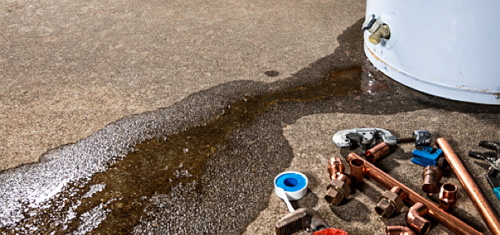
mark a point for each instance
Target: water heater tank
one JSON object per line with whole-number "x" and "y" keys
{"x": 445, "y": 48}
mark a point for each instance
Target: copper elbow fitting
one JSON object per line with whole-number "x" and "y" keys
{"x": 338, "y": 189}
{"x": 398, "y": 230}
{"x": 357, "y": 168}
{"x": 377, "y": 152}
{"x": 415, "y": 218}
{"x": 335, "y": 167}
{"x": 432, "y": 176}
{"x": 390, "y": 203}
{"x": 448, "y": 196}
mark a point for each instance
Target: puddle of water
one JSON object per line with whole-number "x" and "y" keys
{"x": 114, "y": 200}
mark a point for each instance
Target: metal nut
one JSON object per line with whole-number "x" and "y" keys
{"x": 390, "y": 203}
{"x": 338, "y": 189}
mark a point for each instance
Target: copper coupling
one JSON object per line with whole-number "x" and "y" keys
{"x": 339, "y": 187}
{"x": 357, "y": 168}
{"x": 377, "y": 152}
{"x": 335, "y": 167}
{"x": 432, "y": 175}
{"x": 448, "y": 196}
{"x": 398, "y": 230}
{"x": 390, "y": 203}
{"x": 415, "y": 218}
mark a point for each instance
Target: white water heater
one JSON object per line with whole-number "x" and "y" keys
{"x": 446, "y": 48}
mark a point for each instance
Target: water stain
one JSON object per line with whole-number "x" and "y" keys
{"x": 158, "y": 164}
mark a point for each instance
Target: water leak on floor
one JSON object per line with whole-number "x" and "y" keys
{"x": 156, "y": 165}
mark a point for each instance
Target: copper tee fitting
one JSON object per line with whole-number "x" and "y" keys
{"x": 377, "y": 152}
{"x": 398, "y": 230}
{"x": 390, "y": 203}
{"x": 335, "y": 167}
{"x": 415, "y": 218}
{"x": 432, "y": 175}
{"x": 357, "y": 168}
{"x": 448, "y": 196}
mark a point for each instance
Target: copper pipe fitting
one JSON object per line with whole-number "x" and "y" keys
{"x": 335, "y": 167}
{"x": 338, "y": 189}
{"x": 415, "y": 218}
{"x": 446, "y": 219}
{"x": 448, "y": 196}
{"x": 356, "y": 171}
{"x": 377, "y": 152}
{"x": 398, "y": 230}
{"x": 432, "y": 175}
{"x": 390, "y": 203}
{"x": 477, "y": 197}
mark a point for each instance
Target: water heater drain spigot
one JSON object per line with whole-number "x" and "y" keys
{"x": 377, "y": 29}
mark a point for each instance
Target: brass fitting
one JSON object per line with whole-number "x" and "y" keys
{"x": 398, "y": 230}
{"x": 390, "y": 203}
{"x": 357, "y": 168}
{"x": 448, "y": 196}
{"x": 415, "y": 218}
{"x": 377, "y": 151}
{"x": 383, "y": 31}
{"x": 338, "y": 189}
{"x": 335, "y": 167}
{"x": 432, "y": 175}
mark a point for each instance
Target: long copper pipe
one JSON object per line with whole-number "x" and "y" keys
{"x": 477, "y": 197}
{"x": 449, "y": 221}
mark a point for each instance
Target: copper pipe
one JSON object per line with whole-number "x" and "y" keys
{"x": 335, "y": 167}
{"x": 448, "y": 196}
{"x": 356, "y": 171}
{"x": 449, "y": 221}
{"x": 398, "y": 230}
{"x": 469, "y": 185}
{"x": 415, "y": 219}
{"x": 377, "y": 152}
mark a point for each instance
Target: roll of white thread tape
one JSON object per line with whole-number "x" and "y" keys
{"x": 293, "y": 183}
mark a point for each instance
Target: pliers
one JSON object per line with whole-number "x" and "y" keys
{"x": 493, "y": 175}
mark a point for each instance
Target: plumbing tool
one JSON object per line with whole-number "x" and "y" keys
{"x": 367, "y": 138}
{"x": 491, "y": 157}
{"x": 493, "y": 175}
{"x": 364, "y": 137}
{"x": 305, "y": 219}
{"x": 428, "y": 156}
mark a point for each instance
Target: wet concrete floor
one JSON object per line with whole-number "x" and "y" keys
{"x": 203, "y": 165}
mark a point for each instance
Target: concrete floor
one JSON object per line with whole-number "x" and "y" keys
{"x": 70, "y": 70}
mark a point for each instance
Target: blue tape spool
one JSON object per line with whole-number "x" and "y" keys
{"x": 291, "y": 182}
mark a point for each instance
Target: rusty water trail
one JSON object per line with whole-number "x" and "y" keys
{"x": 156, "y": 165}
